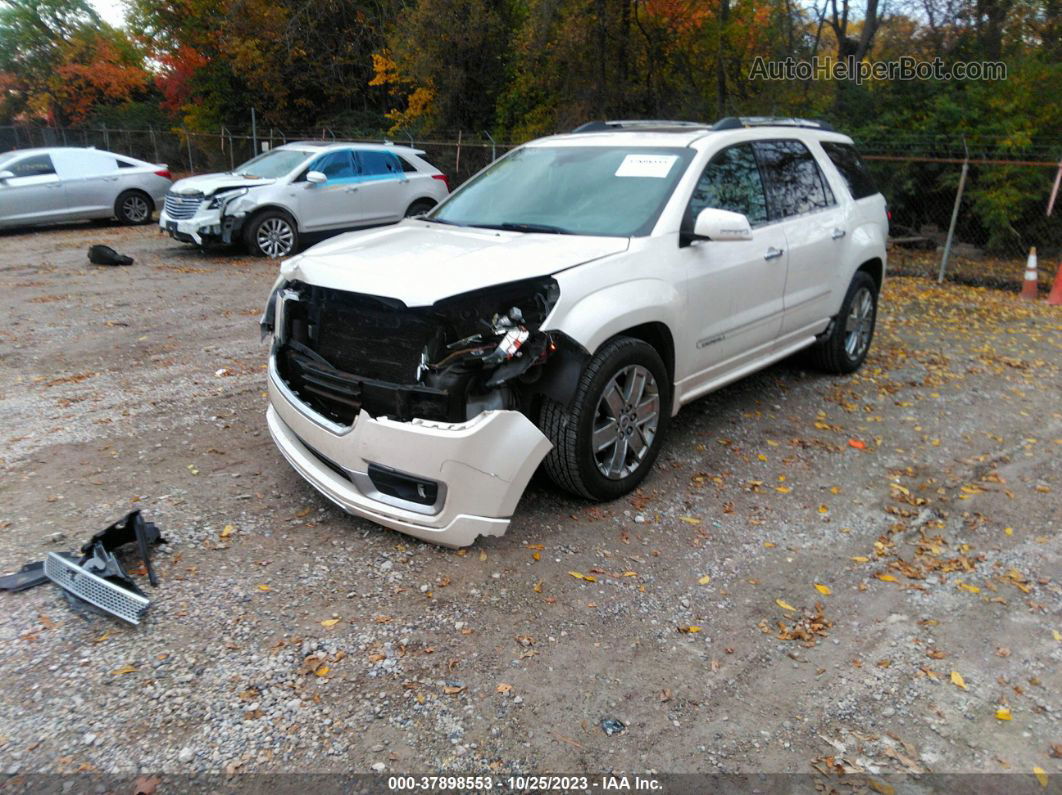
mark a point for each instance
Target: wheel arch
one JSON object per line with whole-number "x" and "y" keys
{"x": 875, "y": 268}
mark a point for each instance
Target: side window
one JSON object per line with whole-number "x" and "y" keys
{"x": 335, "y": 165}
{"x": 35, "y": 166}
{"x": 852, "y": 168}
{"x": 794, "y": 179}
{"x": 375, "y": 163}
{"x": 731, "y": 181}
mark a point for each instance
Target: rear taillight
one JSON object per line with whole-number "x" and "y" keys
{"x": 164, "y": 173}
{"x": 443, "y": 178}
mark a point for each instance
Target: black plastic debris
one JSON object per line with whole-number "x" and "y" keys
{"x": 97, "y": 578}
{"x": 611, "y": 726}
{"x": 105, "y": 255}
{"x": 29, "y": 576}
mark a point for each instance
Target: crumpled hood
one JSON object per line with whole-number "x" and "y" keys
{"x": 420, "y": 263}
{"x": 208, "y": 184}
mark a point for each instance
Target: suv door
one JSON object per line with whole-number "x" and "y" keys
{"x": 735, "y": 287}
{"x": 334, "y": 203}
{"x": 384, "y": 186}
{"x": 90, "y": 181}
{"x": 34, "y": 195}
{"x": 814, "y": 225}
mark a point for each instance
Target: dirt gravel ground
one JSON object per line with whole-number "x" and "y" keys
{"x": 824, "y": 575}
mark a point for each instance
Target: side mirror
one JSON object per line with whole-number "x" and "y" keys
{"x": 6, "y": 175}
{"x": 316, "y": 177}
{"x": 714, "y": 224}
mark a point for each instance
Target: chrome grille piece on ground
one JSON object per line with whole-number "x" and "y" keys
{"x": 180, "y": 207}
{"x": 97, "y": 591}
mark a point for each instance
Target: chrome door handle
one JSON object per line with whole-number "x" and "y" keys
{"x": 838, "y": 233}
{"x": 773, "y": 253}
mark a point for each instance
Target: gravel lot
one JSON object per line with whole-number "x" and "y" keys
{"x": 823, "y": 574}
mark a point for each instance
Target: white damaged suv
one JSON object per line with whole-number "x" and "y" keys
{"x": 560, "y": 308}
{"x": 300, "y": 188}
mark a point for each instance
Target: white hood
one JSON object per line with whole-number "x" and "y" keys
{"x": 420, "y": 263}
{"x": 208, "y": 184}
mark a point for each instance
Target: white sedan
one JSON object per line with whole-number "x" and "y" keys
{"x": 44, "y": 186}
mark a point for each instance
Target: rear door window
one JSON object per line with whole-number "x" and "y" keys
{"x": 34, "y": 166}
{"x": 379, "y": 164}
{"x": 731, "y": 181}
{"x": 794, "y": 180}
{"x": 852, "y": 168}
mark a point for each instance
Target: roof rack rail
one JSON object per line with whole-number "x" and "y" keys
{"x": 639, "y": 124}
{"x": 739, "y": 122}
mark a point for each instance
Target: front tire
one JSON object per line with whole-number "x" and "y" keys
{"x": 271, "y": 234}
{"x": 605, "y": 443}
{"x": 133, "y": 208}
{"x": 845, "y": 348}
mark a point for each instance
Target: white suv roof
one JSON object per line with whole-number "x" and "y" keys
{"x": 686, "y": 133}
{"x": 327, "y": 146}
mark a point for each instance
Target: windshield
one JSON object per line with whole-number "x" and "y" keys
{"x": 273, "y": 164}
{"x": 581, "y": 190}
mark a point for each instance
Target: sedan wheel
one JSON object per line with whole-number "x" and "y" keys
{"x": 133, "y": 208}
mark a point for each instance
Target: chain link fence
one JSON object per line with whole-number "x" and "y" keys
{"x": 1002, "y": 212}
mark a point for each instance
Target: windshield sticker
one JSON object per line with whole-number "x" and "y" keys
{"x": 646, "y": 166}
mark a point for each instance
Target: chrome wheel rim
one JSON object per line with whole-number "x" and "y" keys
{"x": 136, "y": 209}
{"x": 275, "y": 237}
{"x": 625, "y": 422}
{"x": 859, "y": 324}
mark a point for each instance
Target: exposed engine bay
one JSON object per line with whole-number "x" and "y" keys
{"x": 341, "y": 352}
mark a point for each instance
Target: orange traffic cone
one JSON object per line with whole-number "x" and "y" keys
{"x": 1028, "y": 290}
{"x": 1055, "y": 298}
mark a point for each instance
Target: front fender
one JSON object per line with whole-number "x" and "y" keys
{"x": 594, "y": 318}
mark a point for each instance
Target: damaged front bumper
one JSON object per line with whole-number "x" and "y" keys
{"x": 206, "y": 226}
{"x": 442, "y": 482}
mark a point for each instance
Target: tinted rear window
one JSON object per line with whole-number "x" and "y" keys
{"x": 795, "y": 182}
{"x": 852, "y": 168}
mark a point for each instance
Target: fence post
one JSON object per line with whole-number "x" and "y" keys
{"x": 493, "y": 147}
{"x": 188, "y": 140}
{"x": 954, "y": 219}
{"x": 14, "y": 129}
{"x": 106, "y": 138}
{"x": 1054, "y": 190}
{"x": 154, "y": 144}
{"x": 457, "y": 162}
{"x": 63, "y": 131}
{"x": 254, "y": 135}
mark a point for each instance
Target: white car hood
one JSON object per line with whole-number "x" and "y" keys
{"x": 208, "y": 184}
{"x": 420, "y": 263}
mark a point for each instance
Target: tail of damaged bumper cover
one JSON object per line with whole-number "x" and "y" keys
{"x": 95, "y": 590}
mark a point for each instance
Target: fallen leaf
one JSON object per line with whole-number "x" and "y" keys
{"x": 769, "y": 545}
{"x": 688, "y": 630}
{"x": 886, "y": 578}
{"x": 1003, "y": 713}
{"x": 823, "y": 589}
{"x": 580, "y": 576}
{"x": 704, "y": 580}
{"x": 970, "y": 588}
{"x": 264, "y": 587}
{"x": 957, "y": 680}
{"x": 504, "y": 687}
{"x": 303, "y": 512}
{"x": 453, "y": 690}
{"x": 689, "y": 519}
{"x": 537, "y": 588}
{"x": 227, "y": 531}
{"x": 1056, "y": 635}
{"x": 782, "y": 489}
{"x": 125, "y": 669}
{"x": 857, "y": 444}
{"x": 860, "y": 558}
{"x": 784, "y": 605}
{"x": 328, "y": 623}
{"x": 322, "y": 670}
{"x": 881, "y": 786}
{"x": 1041, "y": 776}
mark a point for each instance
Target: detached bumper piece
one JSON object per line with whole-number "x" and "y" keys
{"x": 99, "y": 579}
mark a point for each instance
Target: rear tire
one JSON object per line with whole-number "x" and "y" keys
{"x": 271, "y": 234}
{"x": 845, "y": 348}
{"x": 605, "y": 443}
{"x": 419, "y": 207}
{"x": 134, "y": 208}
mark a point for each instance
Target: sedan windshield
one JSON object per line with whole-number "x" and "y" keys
{"x": 272, "y": 164}
{"x": 614, "y": 191}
